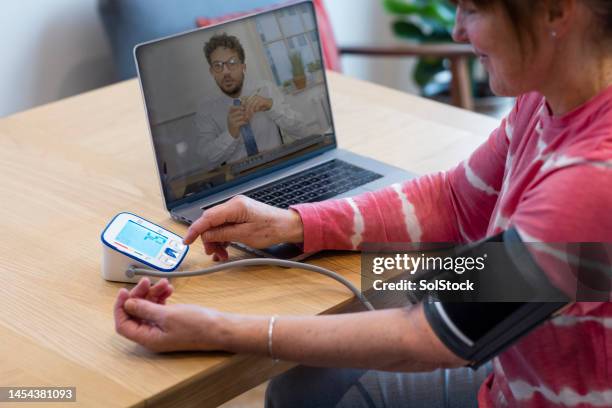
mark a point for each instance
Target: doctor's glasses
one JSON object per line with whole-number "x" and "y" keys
{"x": 232, "y": 64}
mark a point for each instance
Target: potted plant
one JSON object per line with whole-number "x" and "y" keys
{"x": 287, "y": 84}
{"x": 314, "y": 69}
{"x": 430, "y": 21}
{"x": 297, "y": 69}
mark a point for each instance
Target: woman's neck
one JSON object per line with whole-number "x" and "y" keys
{"x": 577, "y": 81}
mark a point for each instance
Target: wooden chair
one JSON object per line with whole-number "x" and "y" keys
{"x": 458, "y": 54}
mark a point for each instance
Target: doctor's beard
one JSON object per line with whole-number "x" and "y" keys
{"x": 231, "y": 86}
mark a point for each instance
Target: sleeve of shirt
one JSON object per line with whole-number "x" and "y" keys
{"x": 215, "y": 145}
{"x": 453, "y": 206}
{"x": 566, "y": 214}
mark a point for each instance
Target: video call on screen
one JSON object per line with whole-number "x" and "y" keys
{"x": 232, "y": 100}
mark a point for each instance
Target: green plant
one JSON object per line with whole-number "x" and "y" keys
{"x": 314, "y": 66}
{"x": 297, "y": 64}
{"x": 424, "y": 21}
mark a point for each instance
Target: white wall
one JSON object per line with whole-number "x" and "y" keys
{"x": 50, "y": 49}
{"x": 365, "y": 22}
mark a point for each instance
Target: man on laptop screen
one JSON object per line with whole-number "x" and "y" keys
{"x": 245, "y": 120}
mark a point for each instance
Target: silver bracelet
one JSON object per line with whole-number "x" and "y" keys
{"x": 270, "y": 331}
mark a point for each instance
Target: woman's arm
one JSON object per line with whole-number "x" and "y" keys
{"x": 452, "y": 206}
{"x": 393, "y": 339}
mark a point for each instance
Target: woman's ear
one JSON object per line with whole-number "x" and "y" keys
{"x": 559, "y": 16}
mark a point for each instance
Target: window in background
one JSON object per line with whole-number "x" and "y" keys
{"x": 292, "y": 47}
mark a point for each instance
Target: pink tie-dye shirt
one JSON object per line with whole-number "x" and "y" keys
{"x": 551, "y": 178}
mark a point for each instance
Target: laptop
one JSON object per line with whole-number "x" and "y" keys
{"x": 243, "y": 107}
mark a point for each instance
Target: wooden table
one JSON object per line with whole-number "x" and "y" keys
{"x": 68, "y": 167}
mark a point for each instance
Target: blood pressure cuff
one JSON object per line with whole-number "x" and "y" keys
{"x": 479, "y": 330}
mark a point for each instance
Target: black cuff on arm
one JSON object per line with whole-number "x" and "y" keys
{"x": 477, "y": 332}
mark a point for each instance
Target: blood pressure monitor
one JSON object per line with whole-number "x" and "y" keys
{"x": 129, "y": 240}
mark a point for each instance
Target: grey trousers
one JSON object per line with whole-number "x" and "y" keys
{"x": 340, "y": 387}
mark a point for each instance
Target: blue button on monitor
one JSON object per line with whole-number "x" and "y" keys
{"x": 170, "y": 252}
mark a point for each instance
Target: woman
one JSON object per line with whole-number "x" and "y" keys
{"x": 542, "y": 171}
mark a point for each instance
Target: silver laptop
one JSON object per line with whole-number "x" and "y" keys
{"x": 243, "y": 108}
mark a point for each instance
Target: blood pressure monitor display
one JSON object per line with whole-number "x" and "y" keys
{"x": 141, "y": 239}
{"x": 144, "y": 241}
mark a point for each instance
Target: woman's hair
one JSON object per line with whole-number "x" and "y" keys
{"x": 520, "y": 13}
{"x": 603, "y": 12}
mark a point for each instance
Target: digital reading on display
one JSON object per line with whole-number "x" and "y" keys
{"x": 141, "y": 239}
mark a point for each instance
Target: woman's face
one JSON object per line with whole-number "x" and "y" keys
{"x": 495, "y": 42}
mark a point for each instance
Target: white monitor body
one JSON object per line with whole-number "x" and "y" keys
{"x": 129, "y": 240}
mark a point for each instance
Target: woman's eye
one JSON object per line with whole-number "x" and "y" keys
{"x": 468, "y": 10}
{"x": 466, "y": 7}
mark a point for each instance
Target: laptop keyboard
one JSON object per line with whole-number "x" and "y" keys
{"x": 316, "y": 184}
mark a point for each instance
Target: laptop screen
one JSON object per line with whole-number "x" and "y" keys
{"x": 234, "y": 101}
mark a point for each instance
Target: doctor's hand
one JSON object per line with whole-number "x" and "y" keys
{"x": 244, "y": 220}
{"x": 142, "y": 316}
{"x": 236, "y": 118}
{"x": 255, "y": 103}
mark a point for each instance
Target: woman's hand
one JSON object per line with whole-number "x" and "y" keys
{"x": 245, "y": 220}
{"x": 142, "y": 316}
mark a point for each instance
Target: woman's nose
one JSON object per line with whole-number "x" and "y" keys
{"x": 459, "y": 34}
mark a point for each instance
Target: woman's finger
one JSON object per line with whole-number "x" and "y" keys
{"x": 217, "y": 250}
{"x": 164, "y": 296}
{"x": 211, "y": 247}
{"x": 221, "y": 254}
{"x": 210, "y": 218}
{"x": 158, "y": 290}
{"x": 145, "y": 310}
{"x": 141, "y": 289}
{"x": 120, "y": 316}
{"x": 227, "y": 233}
